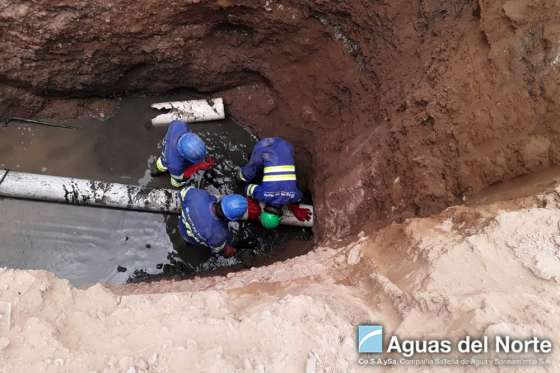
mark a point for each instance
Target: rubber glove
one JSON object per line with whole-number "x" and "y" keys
{"x": 254, "y": 209}
{"x": 204, "y": 165}
{"x": 301, "y": 214}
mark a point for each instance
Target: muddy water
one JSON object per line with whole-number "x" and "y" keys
{"x": 88, "y": 245}
{"x": 83, "y": 245}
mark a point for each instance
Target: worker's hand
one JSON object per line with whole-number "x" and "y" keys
{"x": 253, "y": 210}
{"x": 301, "y": 214}
{"x": 229, "y": 251}
{"x": 204, "y": 165}
{"x": 207, "y": 164}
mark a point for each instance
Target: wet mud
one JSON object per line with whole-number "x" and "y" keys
{"x": 87, "y": 245}
{"x": 82, "y": 244}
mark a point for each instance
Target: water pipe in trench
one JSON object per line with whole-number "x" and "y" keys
{"x": 74, "y": 191}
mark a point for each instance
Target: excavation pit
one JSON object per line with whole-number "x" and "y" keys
{"x": 397, "y": 110}
{"x": 87, "y": 245}
{"x": 394, "y": 111}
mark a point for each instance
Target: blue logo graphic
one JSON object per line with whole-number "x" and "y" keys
{"x": 370, "y": 339}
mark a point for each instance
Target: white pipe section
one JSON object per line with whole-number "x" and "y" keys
{"x": 87, "y": 192}
{"x": 189, "y": 111}
{"x": 289, "y": 219}
{"x": 97, "y": 193}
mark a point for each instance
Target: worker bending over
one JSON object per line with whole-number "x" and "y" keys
{"x": 273, "y": 158}
{"x": 183, "y": 153}
{"x": 204, "y": 219}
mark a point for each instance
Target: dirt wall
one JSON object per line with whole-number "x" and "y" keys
{"x": 396, "y": 108}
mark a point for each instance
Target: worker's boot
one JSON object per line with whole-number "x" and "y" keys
{"x": 154, "y": 170}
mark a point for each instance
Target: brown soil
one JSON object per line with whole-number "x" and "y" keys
{"x": 396, "y": 108}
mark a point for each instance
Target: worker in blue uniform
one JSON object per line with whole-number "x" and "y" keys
{"x": 183, "y": 153}
{"x": 273, "y": 157}
{"x": 204, "y": 219}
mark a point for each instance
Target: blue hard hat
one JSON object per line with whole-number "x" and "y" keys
{"x": 234, "y": 206}
{"x": 191, "y": 147}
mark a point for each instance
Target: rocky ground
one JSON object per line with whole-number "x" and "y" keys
{"x": 487, "y": 269}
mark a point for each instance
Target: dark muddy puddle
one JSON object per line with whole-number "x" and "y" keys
{"x": 88, "y": 245}
{"x": 84, "y": 245}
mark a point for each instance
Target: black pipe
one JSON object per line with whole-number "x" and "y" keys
{"x": 39, "y": 122}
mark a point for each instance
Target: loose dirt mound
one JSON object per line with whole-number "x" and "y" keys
{"x": 490, "y": 270}
{"x": 396, "y": 108}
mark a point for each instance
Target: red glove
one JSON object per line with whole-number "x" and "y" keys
{"x": 301, "y": 214}
{"x": 254, "y": 209}
{"x": 229, "y": 251}
{"x": 204, "y": 165}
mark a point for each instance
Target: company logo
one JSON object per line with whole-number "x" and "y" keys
{"x": 370, "y": 339}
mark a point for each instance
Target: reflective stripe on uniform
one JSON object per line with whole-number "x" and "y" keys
{"x": 217, "y": 250}
{"x": 251, "y": 189}
{"x": 189, "y": 230}
{"x": 284, "y": 169}
{"x": 159, "y": 165}
{"x": 176, "y": 183}
{"x": 184, "y": 192}
{"x": 287, "y": 177}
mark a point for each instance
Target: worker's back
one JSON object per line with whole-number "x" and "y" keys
{"x": 273, "y": 156}
{"x": 171, "y": 158}
{"x": 198, "y": 224}
{"x": 275, "y": 151}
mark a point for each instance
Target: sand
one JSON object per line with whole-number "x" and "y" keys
{"x": 480, "y": 270}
